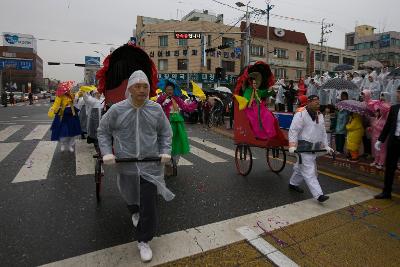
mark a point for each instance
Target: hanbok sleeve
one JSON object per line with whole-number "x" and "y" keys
{"x": 55, "y": 107}
{"x": 247, "y": 93}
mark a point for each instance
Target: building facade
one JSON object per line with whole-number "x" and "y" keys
{"x": 384, "y": 47}
{"x": 21, "y": 69}
{"x": 178, "y": 48}
{"x": 328, "y": 58}
{"x": 287, "y": 50}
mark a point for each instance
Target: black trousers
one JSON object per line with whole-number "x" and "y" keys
{"x": 290, "y": 106}
{"x": 392, "y": 157}
{"x": 367, "y": 145}
{"x": 147, "y": 226}
{"x": 340, "y": 140}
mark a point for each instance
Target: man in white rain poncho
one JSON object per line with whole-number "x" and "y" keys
{"x": 280, "y": 96}
{"x": 307, "y": 132}
{"x": 391, "y": 88}
{"x": 94, "y": 107}
{"x": 373, "y": 86}
{"x": 140, "y": 130}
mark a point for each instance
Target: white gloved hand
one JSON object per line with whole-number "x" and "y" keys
{"x": 292, "y": 149}
{"x": 329, "y": 150}
{"x": 109, "y": 159}
{"x": 165, "y": 158}
{"x": 378, "y": 145}
{"x": 166, "y": 101}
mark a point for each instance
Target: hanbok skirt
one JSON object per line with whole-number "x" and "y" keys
{"x": 180, "y": 142}
{"x": 262, "y": 121}
{"x": 67, "y": 126}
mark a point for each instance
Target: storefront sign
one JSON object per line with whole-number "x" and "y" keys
{"x": 17, "y": 64}
{"x": 197, "y": 77}
{"x": 186, "y": 35}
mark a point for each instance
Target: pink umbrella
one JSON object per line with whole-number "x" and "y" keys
{"x": 64, "y": 87}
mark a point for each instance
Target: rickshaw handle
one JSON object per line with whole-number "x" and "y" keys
{"x": 120, "y": 160}
{"x": 311, "y": 151}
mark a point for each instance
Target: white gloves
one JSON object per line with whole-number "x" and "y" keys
{"x": 292, "y": 149}
{"x": 166, "y": 101}
{"x": 165, "y": 158}
{"x": 378, "y": 145}
{"x": 329, "y": 150}
{"x": 109, "y": 159}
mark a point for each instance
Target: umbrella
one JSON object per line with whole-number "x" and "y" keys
{"x": 373, "y": 64}
{"x": 87, "y": 88}
{"x": 355, "y": 106}
{"x": 343, "y": 67}
{"x": 395, "y": 73}
{"x": 223, "y": 89}
{"x": 339, "y": 84}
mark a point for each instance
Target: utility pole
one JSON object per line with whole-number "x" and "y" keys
{"x": 269, "y": 8}
{"x": 324, "y": 30}
{"x": 247, "y": 46}
{"x": 187, "y": 67}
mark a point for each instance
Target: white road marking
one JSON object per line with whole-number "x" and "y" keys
{"x": 38, "y": 132}
{"x": 205, "y": 155}
{"x": 10, "y": 130}
{"x": 192, "y": 241}
{"x": 6, "y": 148}
{"x": 38, "y": 164}
{"x": 184, "y": 162}
{"x": 84, "y": 157}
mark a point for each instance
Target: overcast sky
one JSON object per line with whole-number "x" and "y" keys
{"x": 112, "y": 21}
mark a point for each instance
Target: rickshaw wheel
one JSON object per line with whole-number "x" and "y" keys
{"x": 97, "y": 178}
{"x": 276, "y": 159}
{"x": 243, "y": 159}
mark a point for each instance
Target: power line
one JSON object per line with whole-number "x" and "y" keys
{"x": 69, "y": 41}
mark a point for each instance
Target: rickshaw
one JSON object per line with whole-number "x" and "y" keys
{"x": 113, "y": 79}
{"x": 244, "y": 137}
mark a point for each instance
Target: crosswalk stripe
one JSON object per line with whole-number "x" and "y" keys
{"x": 214, "y": 146}
{"x": 38, "y": 133}
{"x": 211, "y": 145}
{"x": 184, "y": 162}
{"x": 38, "y": 164}
{"x": 84, "y": 157}
{"x": 205, "y": 155}
{"x": 38, "y": 105}
{"x": 6, "y": 148}
{"x": 10, "y": 130}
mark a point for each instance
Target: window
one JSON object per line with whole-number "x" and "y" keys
{"x": 229, "y": 66}
{"x": 182, "y": 42}
{"x": 350, "y": 40}
{"x": 209, "y": 40}
{"x": 228, "y": 41}
{"x": 348, "y": 61}
{"x": 333, "y": 59}
{"x": 208, "y": 63}
{"x": 299, "y": 55}
{"x": 280, "y": 73}
{"x": 299, "y": 74}
{"x": 257, "y": 50}
{"x": 163, "y": 40}
{"x": 281, "y": 53}
{"x": 318, "y": 57}
{"x": 182, "y": 64}
{"x": 163, "y": 64}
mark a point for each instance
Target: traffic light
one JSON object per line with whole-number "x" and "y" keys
{"x": 220, "y": 73}
{"x": 208, "y": 50}
{"x": 53, "y": 63}
{"x": 80, "y": 65}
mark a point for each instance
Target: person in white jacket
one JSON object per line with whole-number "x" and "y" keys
{"x": 94, "y": 107}
{"x": 307, "y": 132}
{"x": 138, "y": 128}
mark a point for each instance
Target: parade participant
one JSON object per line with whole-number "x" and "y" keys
{"x": 342, "y": 117}
{"x": 290, "y": 95}
{"x": 382, "y": 77}
{"x": 373, "y": 86}
{"x": 172, "y": 104}
{"x": 391, "y": 88}
{"x": 302, "y": 88}
{"x": 137, "y": 127}
{"x": 66, "y": 123}
{"x": 355, "y": 132}
{"x": 307, "y": 132}
{"x": 302, "y": 102}
{"x": 391, "y": 132}
{"x": 94, "y": 103}
{"x": 280, "y": 96}
{"x": 312, "y": 88}
{"x": 80, "y": 104}
{"x": 381, "y": 109}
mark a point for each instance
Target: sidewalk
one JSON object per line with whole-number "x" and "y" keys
{"x": 362, "y": 234}
{"x": 358, "y": 171}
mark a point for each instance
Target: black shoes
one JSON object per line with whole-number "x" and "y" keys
{"x": 383, "y": 196}
{"x": 296, "y": 188}
{"x": 323, "y": 198}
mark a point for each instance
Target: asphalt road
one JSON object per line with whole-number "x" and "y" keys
{"x": 58, "y": 217}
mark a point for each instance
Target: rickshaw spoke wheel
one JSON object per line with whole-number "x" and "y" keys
{"x": 243, "y": 159}
{"x": 276, "y": 159}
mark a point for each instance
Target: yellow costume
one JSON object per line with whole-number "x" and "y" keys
{"x": 61, "y": 102}
{"x": 355, "y": 132}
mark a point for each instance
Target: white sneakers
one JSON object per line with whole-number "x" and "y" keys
{"x": 135, "y": 219}
{"x": 62, "y": 148}
{"x": 145, "y": 251}
{"x": 71, "y": 149}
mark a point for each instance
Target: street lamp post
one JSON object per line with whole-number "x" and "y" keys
{"x": 269, "y": 7}
{"x": 247, "y": 34}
